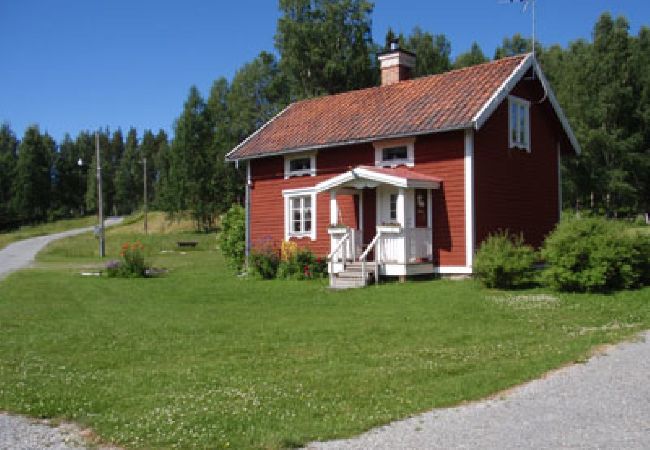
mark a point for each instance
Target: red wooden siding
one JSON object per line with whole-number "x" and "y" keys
{"x": 439, "y": 155}
{"x": 267, "y": 203}
{"x": 442, "y": 155}
{"x": 514, "y": 189}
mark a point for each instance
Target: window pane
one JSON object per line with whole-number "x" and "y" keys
{"x": 393, "y": 153}
{"x": 307, "y": 220}
{"x": 300, "y": 164}
{"x": 522, "y": 124}
{"x": 393, "y": 206}
{"x": 295, "y": 203}
{"x": 513, "y": 122}
{"x": 295, "y": 227}
{"x": 307, "y": 201}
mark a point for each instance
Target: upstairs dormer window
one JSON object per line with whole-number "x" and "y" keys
{"x": 395, "y": 153}
{"x": 300, "y": 165}
{"x": 519, "y": 123}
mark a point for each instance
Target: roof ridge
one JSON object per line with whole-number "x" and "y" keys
{"x": 412, "y": 80}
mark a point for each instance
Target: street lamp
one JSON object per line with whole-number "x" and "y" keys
{"x": 99, "y": 229}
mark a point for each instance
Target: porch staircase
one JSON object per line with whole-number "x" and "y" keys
{"x": 352, "y": 276}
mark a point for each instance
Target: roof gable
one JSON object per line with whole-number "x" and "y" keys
{"x": 452, "y": 100}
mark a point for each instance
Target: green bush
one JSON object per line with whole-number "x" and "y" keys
{"x": 595, "y": 255}
{"x": 232, "y": 239}
{"x": 263, "y": 262}
{"x": 504, "y": 261}
{"x": 302, "y": 264}
{"x": 132, "y": 264}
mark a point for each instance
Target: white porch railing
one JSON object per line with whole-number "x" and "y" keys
{"x": 351, "y": 249}
{"x": 406, "y": 246}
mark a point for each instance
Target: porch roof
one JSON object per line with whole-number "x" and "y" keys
{"x": 370, "y": 176}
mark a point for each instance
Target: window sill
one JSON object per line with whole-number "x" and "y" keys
{"x": 396, "y": 163}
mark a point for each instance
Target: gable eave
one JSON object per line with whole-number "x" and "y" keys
{"x": 506, "y": 87}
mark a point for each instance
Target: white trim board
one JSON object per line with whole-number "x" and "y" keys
{"x": 504, "y": 90}
{"x": 470, "y": 226}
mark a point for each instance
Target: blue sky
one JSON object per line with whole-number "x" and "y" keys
{"x": 70, "y": 65}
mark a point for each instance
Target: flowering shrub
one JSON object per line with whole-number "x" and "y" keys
{"x": 132, "y": 264}
{"x": 263, "y": 262}
{"x": 301, "y": 264}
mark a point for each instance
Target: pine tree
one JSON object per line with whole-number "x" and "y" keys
{"x": 8, "y": 160}
{"x": 433, "y": 52}
{"x": 128, "y": 180}
{"x": 326, "y": 45}
{"x": 32, "y": 184}
{"x": 189, "y": 184}
{"x": 471, "y": 58}
{"x": 69, "y": 180}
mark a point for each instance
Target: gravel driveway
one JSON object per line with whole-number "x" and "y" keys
{"x": 604, "y": 403}
{"x": 17, "y": 432}
{"x": 21, "y": 254}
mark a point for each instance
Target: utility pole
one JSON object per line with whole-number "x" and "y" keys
{"x": 100, "y": 200}
{"x": 145, "y": 194}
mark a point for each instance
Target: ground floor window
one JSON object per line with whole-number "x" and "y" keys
{"x": 300, "y": 215}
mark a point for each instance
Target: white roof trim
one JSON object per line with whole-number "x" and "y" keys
{"x": 558, "y": 109}
{"x": 504, "y": 90}
{"x": 368, "y": 174}
{"x": 256, "y": 133}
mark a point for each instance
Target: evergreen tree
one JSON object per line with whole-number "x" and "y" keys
{"x": 128, "y": 181}
{"x": 86, "y": 143}
{"x": 32, "y": 183}
{"x": 69, "y": 180}
{"x": 325, "y": 45}
{"x": 433, "y": 52}
{"x": 8, "y": 159}
{"x": 471, "y": 58}
{"x": 189, "y": 184}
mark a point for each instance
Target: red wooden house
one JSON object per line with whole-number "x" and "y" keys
{"x": 409, "y": 177}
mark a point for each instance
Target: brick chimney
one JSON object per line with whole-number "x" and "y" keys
{"x": 396, "y": 64}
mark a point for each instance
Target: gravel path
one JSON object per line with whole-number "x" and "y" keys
{"x": 604, "y": 403}
{"x": 21, "y": 254}
{"x": 17, "y": 432}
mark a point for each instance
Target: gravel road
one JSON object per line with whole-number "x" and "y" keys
{"x": 604, "y": 403}
{"x": 21, "y": 254}
{"x": 17, "y": 432}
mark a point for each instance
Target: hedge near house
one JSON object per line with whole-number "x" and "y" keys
{"x": 596, "y": 255}
{"x": 504, "y": 261}
{"x": 232, "y": 238}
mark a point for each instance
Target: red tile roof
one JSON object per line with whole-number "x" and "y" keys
{"x": 439, "y": 102}
{"x": 402, "y": 172}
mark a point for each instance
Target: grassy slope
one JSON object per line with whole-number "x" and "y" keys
{"x": 46, "y": 228}
{"x": 203, "y": 359}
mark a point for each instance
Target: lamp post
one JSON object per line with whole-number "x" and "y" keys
{"x": 100, "y": 201}
{"x": 99, "y": 229}
{"x": 80, "y": 163}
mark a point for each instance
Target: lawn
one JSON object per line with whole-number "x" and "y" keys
{"x": 202, "y": 358}
{"x": 29, "y": 231}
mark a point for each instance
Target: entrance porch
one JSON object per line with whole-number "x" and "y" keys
{"x": 393, "y": 235}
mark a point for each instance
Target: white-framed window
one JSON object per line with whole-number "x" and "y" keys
{"x": 300, "y": 165}
{"x": 395, "y": 152}
{"x": 299, "y": 213}
{"x": 519, "y": 123}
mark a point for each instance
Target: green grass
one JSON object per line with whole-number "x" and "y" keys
{"x": 201, "y": 358}
{"x": 46, "y": 228}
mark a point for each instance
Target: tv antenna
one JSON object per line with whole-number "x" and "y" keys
{"x": 526, "y": 3}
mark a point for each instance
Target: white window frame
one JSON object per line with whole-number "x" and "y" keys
{"x": 289, "y": 195}
{"x": 300, "y": 173}
{"x": 410, "y": 152}
{"x": 516, "y": 143}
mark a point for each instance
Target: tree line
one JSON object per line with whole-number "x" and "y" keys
{"x": 326, "y": 47}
